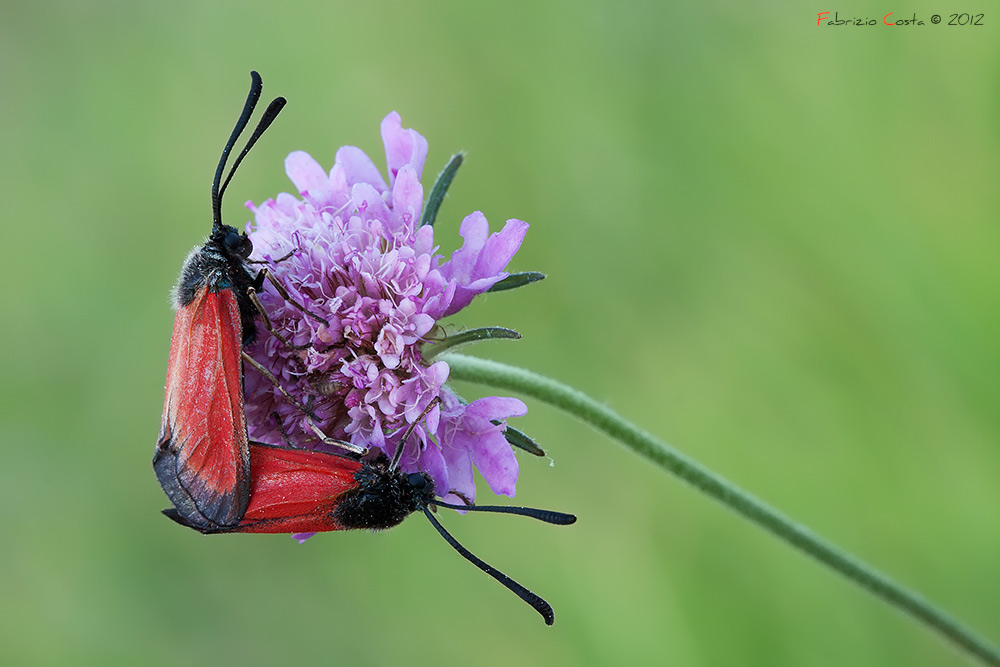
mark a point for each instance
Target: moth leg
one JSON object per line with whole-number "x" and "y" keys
{"x": 281, "y": 428}
{"x": 270, "y": 376}
{"x": 287, "y": 297}
{"x": 252, "y": 293}
{"x": 276, "y": 261}
{"x": 327, "y": 440}
{"x": 409, "y": 431}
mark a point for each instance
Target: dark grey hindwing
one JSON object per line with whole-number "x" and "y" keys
{"x": 199, "y": 505}
{"x": 165, "y": 465}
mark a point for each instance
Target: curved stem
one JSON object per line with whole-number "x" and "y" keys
{"x": 471, "y": 369}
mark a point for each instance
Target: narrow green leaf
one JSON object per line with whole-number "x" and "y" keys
{"x": 461, "y": 339}
{"x": 517, "y": 280}
{"x": 440, "y": 189}
{"x": 520, "y": 440}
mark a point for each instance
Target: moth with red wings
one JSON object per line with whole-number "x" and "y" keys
{"x": 304, "y": 491}
{"x": 202, "y": 456}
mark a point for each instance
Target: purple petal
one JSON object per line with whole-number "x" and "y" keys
{"x": 423, "y": 243}
{"x": 402, "y": 147}
{"x": 306, "y": 173}
{"x": 491, "y": 452}
{"x": 302, "y": 537}
{"x": 458, "y": 459}
{"x": 497, "y": 463}
{"x": 500, "y": 249}
{"x": 340, "y": 191}
{"x": 369, "y": 203}
{"x": 359, "y": 168}
{"x": 408, "y": 196}
{"x": 494, "y": 407}
{"x": 471, "y": 437}
{"x": 432, "y": 462}
{"x": 480, "y": 262}
{"x": 473, "y": 230}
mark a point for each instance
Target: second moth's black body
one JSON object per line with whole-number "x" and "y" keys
{"x": 384, "y": 496}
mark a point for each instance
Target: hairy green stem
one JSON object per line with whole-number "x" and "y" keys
{"x": 471, "y": 369}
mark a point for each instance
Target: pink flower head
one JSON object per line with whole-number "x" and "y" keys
{"x": 351, "y": 250}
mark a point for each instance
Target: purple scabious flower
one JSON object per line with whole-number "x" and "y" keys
{"x": 351, "y": 250}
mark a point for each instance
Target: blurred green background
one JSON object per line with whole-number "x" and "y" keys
{"x": 772, "y": 244}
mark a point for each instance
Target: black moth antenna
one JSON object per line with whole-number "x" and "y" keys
{"x": 548, "y": 516}
{"x": 265, "y": 121}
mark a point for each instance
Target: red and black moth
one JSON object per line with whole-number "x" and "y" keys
{"x": 300, "y": 491}
{"x": 202, "y": 456}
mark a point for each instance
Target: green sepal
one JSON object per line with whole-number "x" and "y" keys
{"x": 518, "y": 439}
{"x": 461, "y": 339}
{"x": 440, "y": 189}
{"x": 517, "y": 280}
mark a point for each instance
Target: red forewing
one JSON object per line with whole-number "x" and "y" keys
{"x": 296, "y": 491}
{"x": 202, "y": 457}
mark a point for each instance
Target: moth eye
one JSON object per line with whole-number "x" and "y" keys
{"x": 416, "y": 480}
{"x": 238, "y": 243}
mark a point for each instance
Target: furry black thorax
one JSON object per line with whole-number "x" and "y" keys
{"x": 384, "y": 496}
{"x": 221, "y": 264}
